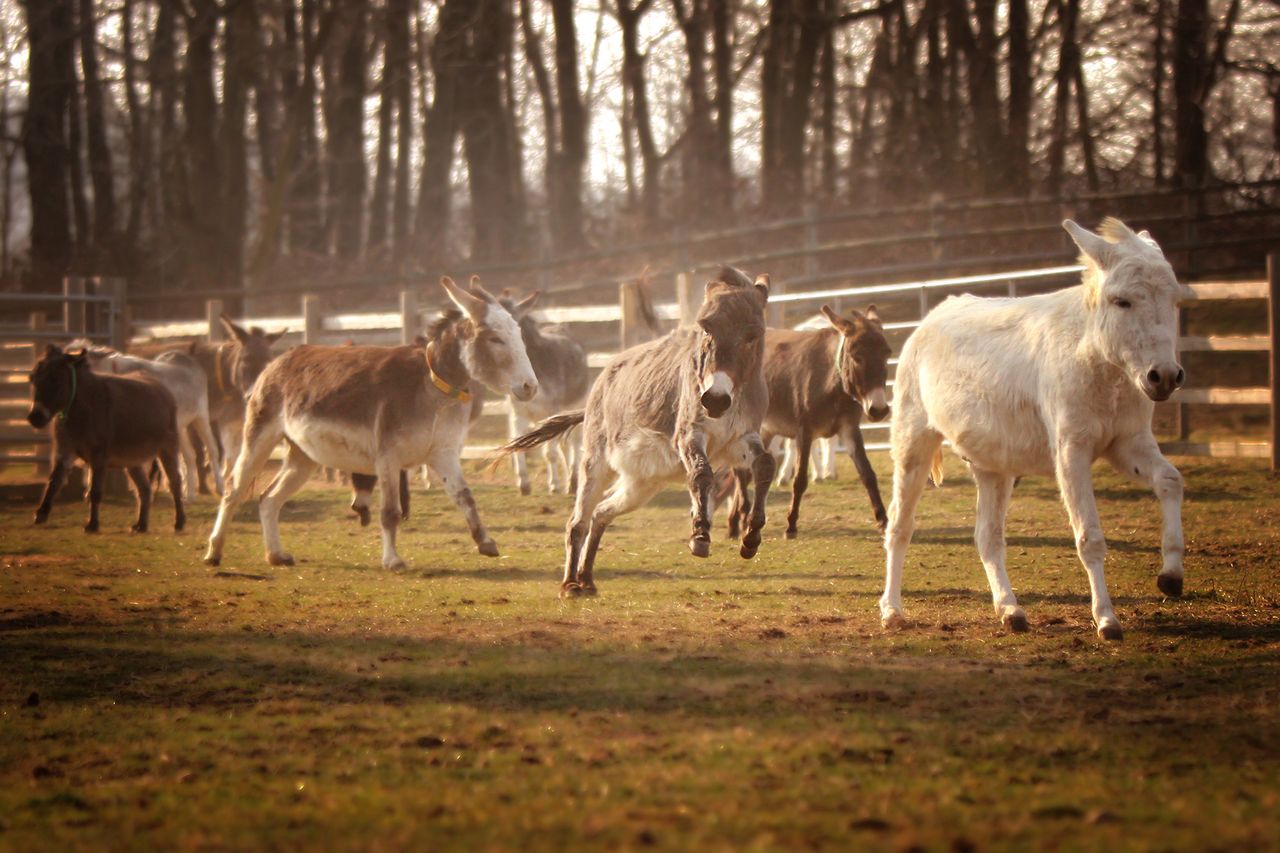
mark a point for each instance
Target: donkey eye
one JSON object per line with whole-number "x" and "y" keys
{"x": 1121, "y": 303}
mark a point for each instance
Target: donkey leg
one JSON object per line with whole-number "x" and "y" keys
{"x": 262, "y": 437}
{"x": 988, "y": 534}
{"x": 738, "y": 505}
{"x": 404, "y": 494}
{"x": 625, "y": 495}
{"x": 1140, "y": 459}
{"x": 173, "y": 473}
{"x": 204, "y": 455}
{"x": 786, "y": 470}
{"x": 912, "y": 457}
{"x": 762, "y": 471}
{"x": 804, "y": 445}
{"x": 1072, "y": 467}
{"x": 57, "y": 479}
{"x": 448, "y": 470}
{"x": 205, "y": 431}
{"x": 519, "y": 425}
{"x": 693, "y": 453}
{"x": 297, "y": 469}
{"x": 97, "y": 478}
{"x": 591, "y": 485}
{"x": 858, "y": 452}
{"x": 187, "y": 454}
{"x": 142, "y": 491}
{"x": 389, "y": 488}
{"x": 827, "y": 458}
{"x": 361, "y": 495}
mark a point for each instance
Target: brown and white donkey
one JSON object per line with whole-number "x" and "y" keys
{"x": 377, "y": 410}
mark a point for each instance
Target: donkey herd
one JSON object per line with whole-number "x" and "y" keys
{"x": 1039, "y": 384}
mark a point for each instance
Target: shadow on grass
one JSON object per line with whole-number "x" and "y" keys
{"x": 964, "y": 536}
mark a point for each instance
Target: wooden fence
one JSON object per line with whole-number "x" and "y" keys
{"x": 902, "y": 303}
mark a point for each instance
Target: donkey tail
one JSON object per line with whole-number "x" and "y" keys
{"x": 553, "y": 427}
{"x": 935, "y": 467}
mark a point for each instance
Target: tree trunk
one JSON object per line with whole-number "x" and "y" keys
{"x": 207, "y": 265}
{"x": 633, "y": 78}
{"x": 239, "y": 39}
{"x": 1068, "y": 53}
{"x": 721, "y": 164}
{"x": 1018, "y": 138}
{"x": 100, "y": 172}
{"x": 344, "y": 123}
{"x": 447, "y": 57}
{"x": 139, "y": 134}
{"x": 570, "y": 159}
{"x": 399, "y": 55}
{"x": 1157, "y": 93}
{"x": 44, "y": 139}
{"x": 378, "y": 200}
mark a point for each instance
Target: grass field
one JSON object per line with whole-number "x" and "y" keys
{"x": 148, "y": 700}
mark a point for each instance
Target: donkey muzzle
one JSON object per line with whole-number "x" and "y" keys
{"x": 525, "y": 391}
{"x": 875, "y": 406}
{"x": 39, "y": 416}
{"x": 717, "y": 394}
{"x": 1160, "y": 382}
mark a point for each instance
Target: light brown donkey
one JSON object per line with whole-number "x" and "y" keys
{"x": 685, "y": 403}
{"x": 820, "y": 384}
{"x": 376, "y": 410}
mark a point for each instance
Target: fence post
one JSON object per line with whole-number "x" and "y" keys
{"x": 310, "y": 319}
{"x": 213, "y": 311}
{"x": 408, "y": 316}
{"x": 117, "y": 312}
{"x": 810, "y": 212}
{"x": 628, "y": 314}
{"x": 73, "y": 312}
{"x": 1273, "y": 328}
{"x": 39, "y": 322}
{"x": 686, "y": 300}
{"x": 777, "y": 311}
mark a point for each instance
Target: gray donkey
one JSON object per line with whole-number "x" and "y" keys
{"x": 561, "y": 366}
{"x": 686, "y": 403}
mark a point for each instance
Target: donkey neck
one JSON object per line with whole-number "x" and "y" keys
{"x": 448, "y": 358}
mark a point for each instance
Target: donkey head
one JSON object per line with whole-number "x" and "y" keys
{"x": 862, "y": 359}
{"x": 492, "y": 348}
{"x": 53, "y": 384}
{"x": 731, "y": 322}
{"x": 249, "y": 354}
{"x": 1132, "y": 296}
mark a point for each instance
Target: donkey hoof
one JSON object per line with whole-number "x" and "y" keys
{"x": 571, "y": 589}
{"x": 279, "y": 558}
{"x": 139, "y": 527}
{"x": 526, "y": 489}
{"x": 700, "y": 547}
{"x": 1015, "y": 622}
{"x": 396, "y": 565}
{"x": 1170, "y": 585}
{"x": 1109, "y": 629}
{"x": 179, "y": 525}
{"x": 91, "y": 527}
{"x": 214, "y": 560}
{"x": 363, "y": 512}
{"x": 588, "y": 589}
{"x": 488, "y": 548}
{"x": 893, "y": 621}
{"x": 40, "y": 518}
{"x": 882, "y": 523}
{"x": 791, "y": 533}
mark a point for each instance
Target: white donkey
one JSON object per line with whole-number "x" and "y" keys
{"x": 1044, "y": 384}
{"x": 185, "y": 380}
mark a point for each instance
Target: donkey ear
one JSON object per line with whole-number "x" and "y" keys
{"x": 234, "y": 330}
{"x": 52, "y": 350}
{"x": 478, "y": 289}
{"x": 762, "y": 287}
{"x": 272, "y": 338}
{"x": 872, "y": 314}
{"x": 522, "y": 308}
{"x": 470, "y": 304}
{"x": 1145, "y": 236}
{"x": 839, "y": 323}
{"x": 1091, "y": 245}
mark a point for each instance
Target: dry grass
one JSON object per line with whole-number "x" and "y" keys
{"x": 147, "y": 700}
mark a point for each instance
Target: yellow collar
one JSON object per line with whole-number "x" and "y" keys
{"x": 444, "y": 387}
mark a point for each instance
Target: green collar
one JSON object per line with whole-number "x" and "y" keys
{"x": 62, "y": 416}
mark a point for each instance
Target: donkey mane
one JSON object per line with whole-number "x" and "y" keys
{"x": 442, "y": 322}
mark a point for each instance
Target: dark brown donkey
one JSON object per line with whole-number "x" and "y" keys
{"x": 683, "y": 404}
{"x": 820, "y": 384}
{"x": 109, "y": 422}
{"x": 231, "y": 368}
